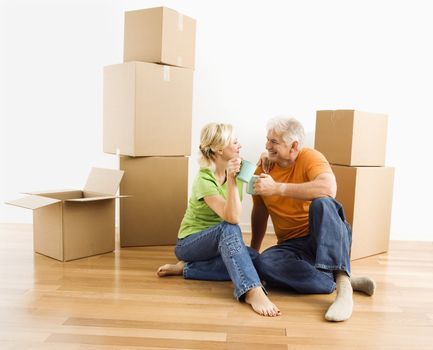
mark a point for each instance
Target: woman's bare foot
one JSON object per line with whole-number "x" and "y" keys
{"x": 170, "y": 269}
{"x": 260, "y": 303}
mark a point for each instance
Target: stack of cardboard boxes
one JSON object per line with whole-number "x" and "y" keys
{"x": 147, "y": 121}
{"x": 355, "y": 144}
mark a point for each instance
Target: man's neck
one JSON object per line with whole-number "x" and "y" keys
{"x": 288, "y": 163}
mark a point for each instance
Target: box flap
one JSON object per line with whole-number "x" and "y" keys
{"x": 48, "y": 192}
{"x": 33, "y": 202}
{"x": 91, "y": 199}
{"x": 104, "y": 181}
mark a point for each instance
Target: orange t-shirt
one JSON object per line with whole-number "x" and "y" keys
{"x": 290, "y": 216}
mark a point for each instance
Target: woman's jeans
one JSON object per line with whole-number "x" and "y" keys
{"x": 306, "y": 264}
{"x": 219, "y": 254}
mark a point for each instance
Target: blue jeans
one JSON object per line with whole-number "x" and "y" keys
{"x": 219, "y": 254}
{"x": 307, "y": 264}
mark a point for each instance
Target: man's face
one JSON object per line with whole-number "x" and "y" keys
{"x": 277, "y": 148}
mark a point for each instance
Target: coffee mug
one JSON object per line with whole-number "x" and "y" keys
{"x": 250, "y": 187}
{"x": 247, "y": 171}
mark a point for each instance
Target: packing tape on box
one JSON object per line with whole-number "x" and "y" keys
{"x": 166, "y": 73}
{"x": 180, "y": 22}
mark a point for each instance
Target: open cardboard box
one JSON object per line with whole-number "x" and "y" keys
{"x": 73, "y": 224}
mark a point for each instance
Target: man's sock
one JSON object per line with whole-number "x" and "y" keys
{"x": 341, "y": 308}
{"x": 363, "y": 284}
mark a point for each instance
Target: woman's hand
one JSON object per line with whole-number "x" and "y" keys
{"x": 233, "y": 166}
{"x": 265, "y": 163}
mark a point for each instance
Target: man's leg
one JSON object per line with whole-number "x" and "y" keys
{"x": 331, "y": 240}
{"x": 287, "y": 266}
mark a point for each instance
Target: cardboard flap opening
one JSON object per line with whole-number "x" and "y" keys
{"x": 90, "y": 199}
{"x": 104, "y": 181}
{"x": 33, "y": 202}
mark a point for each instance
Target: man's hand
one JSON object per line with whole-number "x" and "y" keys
{"x": 265, "y": 185}
{"x": 265, "y": 163}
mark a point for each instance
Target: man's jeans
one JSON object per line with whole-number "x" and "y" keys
{"x": 306, "y": 264}
{"x": 219, "y": 254}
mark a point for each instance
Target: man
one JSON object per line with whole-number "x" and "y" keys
{"x": 297, "y": 191}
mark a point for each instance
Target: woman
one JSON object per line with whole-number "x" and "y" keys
{"x": 210, "y": 244}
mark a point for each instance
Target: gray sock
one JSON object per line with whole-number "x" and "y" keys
{"x": 363, "y": 284}
{"x": 341, "y": 308}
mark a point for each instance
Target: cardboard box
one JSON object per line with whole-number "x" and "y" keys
{"x": 348, "y": 137}
{"x": 147, "y": 109}
{"x": 73, "y": 224}
{"x": 159, "y": 35}
{"x": 159, "y": 195}
{"x": 366, "y": 196}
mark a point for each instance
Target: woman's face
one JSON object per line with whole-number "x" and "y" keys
{"x": 232, "y": 149}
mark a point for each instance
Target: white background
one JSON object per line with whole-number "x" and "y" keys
{"x": 254, "y": 60}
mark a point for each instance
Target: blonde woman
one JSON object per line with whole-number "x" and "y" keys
{"x": 210, "y": 244}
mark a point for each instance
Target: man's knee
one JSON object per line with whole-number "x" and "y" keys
{"x": 323, "y": 203}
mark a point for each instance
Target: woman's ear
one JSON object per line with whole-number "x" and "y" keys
{"x": 220, "y": 151}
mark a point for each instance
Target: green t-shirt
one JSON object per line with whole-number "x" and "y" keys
{"x": 198, "y": 215}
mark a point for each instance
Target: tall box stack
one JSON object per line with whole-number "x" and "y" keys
{"x": 354, "y": 143}
{"x": 147, "y": 121}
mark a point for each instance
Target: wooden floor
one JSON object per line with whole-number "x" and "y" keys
{"x": 115, "y": 301}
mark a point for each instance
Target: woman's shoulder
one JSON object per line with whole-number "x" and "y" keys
{"x": 205, "y": 175}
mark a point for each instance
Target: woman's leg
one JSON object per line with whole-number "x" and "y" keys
{"x": 224, "y": 241}
{"x": 213, "y": 269}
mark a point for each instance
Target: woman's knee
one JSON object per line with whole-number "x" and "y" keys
{"x": 231, "y": 238}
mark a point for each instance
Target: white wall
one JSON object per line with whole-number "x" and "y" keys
{"x": 254, "y": 60}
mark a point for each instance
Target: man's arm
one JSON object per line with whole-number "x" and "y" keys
{"x": 324, "y": 185}
{"x": 259, "y": 222}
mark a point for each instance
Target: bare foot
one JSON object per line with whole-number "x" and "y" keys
{"x": 260, "y": 303}
{"x": 171, "y": 269}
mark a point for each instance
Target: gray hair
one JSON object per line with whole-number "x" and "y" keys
{"x": 213, "y": 137}
{"x": 290, "y": 129}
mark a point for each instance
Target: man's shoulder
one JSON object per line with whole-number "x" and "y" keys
{"x": 311, "y": 154}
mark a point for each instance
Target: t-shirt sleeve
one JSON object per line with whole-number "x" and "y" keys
{"x": 316, "y": 164}
{"x": 205, "y": 186}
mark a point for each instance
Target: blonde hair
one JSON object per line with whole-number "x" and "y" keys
{"x": 213, "y": 137}
{"x": 290, "y": 129}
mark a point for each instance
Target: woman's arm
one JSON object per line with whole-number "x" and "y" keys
{"x": 229, "y": 210}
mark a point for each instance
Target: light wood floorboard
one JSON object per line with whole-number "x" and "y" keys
{"x": 116, "y": 301}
